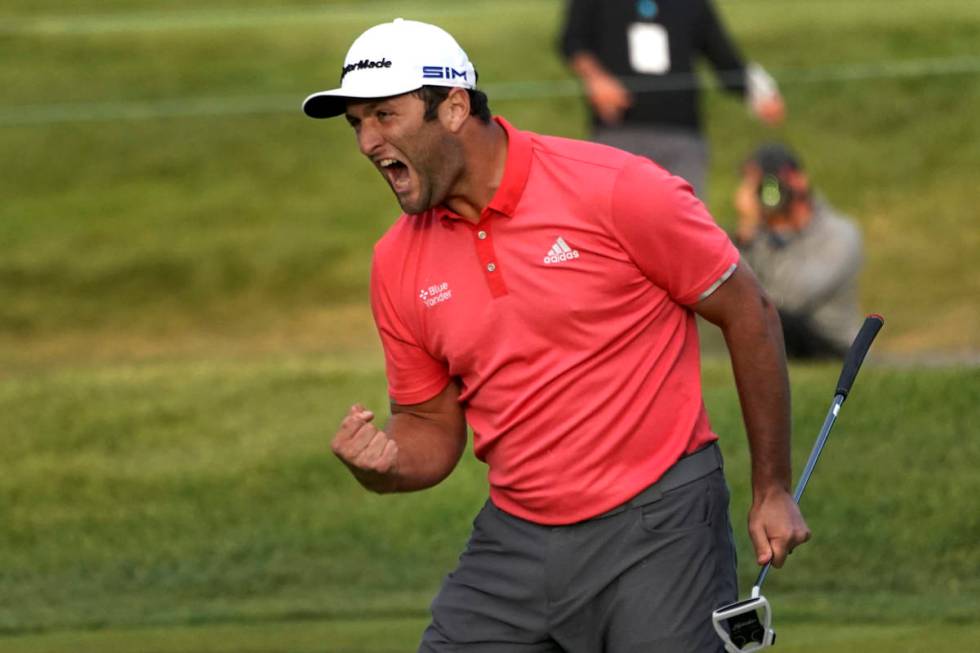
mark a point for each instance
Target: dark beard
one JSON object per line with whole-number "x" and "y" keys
{"x": 436, "y": 180}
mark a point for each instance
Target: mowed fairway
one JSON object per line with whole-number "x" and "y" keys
{"x": 200, "y": 493}
{"x": 396, "y": 635}
{"x": 183, "y": 321}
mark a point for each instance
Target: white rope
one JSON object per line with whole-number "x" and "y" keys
{"x": 46, "y": 114}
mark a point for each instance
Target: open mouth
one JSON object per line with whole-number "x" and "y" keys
{"x": 397, "y": 174}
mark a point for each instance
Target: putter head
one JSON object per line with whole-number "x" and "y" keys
{"x": 745, "y": 626}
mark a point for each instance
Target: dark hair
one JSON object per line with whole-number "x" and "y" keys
{"x": 775, "y": 159}
{"x": 433, "y": 96}
{"x": 778, "y": 164}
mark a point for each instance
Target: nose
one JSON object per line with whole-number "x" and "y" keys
{"x": 368, "y": 139}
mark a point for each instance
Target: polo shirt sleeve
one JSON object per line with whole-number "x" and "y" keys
{"x": 413, "y": 374}
{"x": 669, "y": 233}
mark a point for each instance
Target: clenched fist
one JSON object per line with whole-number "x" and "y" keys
{"x": 368, "y": 451}
{"x": 776, "y": 527}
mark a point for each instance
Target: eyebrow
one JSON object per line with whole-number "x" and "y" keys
{"x": 368, "y": 106}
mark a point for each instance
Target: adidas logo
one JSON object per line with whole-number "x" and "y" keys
{"x": 560, "y": 252}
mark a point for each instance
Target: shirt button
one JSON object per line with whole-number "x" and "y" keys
{"x": 481, "y": 235}
{"x": 491, "y": 267}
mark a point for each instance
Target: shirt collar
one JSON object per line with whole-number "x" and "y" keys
{"x": 516, "y": 169}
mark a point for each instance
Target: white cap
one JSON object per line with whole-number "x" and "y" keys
{"x": 391, "y": 59}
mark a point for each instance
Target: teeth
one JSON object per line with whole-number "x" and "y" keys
{"x": 384, "y": 163}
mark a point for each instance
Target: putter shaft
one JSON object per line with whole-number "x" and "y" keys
{"x": 811, "y": 463}
{"x": 852, "y": 363}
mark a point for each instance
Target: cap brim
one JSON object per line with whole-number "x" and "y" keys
{"x": 327, "y": 104}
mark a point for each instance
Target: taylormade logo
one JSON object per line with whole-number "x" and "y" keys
{"x": 364, "y": 64}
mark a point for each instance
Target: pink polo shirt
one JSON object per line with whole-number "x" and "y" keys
{"x": 565, "y": 315}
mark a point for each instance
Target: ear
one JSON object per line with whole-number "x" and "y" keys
{"x": 455, "y": 109}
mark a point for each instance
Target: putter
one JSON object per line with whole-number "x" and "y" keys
{"x": 746, "y": 626}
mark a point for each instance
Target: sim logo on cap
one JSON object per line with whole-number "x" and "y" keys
{"x": 442, "y": 72}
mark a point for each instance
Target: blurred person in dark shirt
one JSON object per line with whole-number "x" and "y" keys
{"x": 636, "y": 59}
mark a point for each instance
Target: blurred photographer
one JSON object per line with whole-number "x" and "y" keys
{"x": 806, "y": 255}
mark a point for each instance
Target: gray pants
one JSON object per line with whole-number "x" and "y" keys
{"x": 682, "y": 152}
{"x": 644, "y": 578}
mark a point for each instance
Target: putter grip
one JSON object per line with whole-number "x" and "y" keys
{"x": 859, "y": 348}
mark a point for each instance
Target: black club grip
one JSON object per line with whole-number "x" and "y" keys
{"x": 859, "y": 348}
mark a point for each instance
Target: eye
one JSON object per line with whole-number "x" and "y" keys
{"x": 383, "y": 115}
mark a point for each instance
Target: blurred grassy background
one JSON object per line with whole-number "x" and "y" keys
{"x": 183, "y": 274}
{"x": 160, "y": 184}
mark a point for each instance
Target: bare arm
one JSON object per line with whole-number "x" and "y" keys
{"x": 420, "y": 446}
{"x": 752, "y": 331}
{"x": 609, "y": 97}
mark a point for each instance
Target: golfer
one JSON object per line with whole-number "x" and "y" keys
{"x": 544, "y": 291}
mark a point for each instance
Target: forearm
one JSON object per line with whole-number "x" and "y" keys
{"x": 755, "y": 343}
{"x": 750, "y": 324}
{"x": 587, "y": 66}
{"x": 428, "y": 451}
{"x": 419, "y": 446}
{"x": 745, "y": 234}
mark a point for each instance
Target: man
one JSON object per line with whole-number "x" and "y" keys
{"x": 806, "y": 255}
{"x": 543, "y": 290}
{"x": 636, "y": 59}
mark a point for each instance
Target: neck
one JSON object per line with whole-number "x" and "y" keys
{"x": 484, "y": 158}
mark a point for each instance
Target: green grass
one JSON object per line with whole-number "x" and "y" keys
{"x": 401, "y": 634}
{"x": 158, "y": 223}
{"x": 203, "y": 492}
{"x": 391, "y": 635}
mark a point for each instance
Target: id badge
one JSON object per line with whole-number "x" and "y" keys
{"x": 649, "y": 48}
